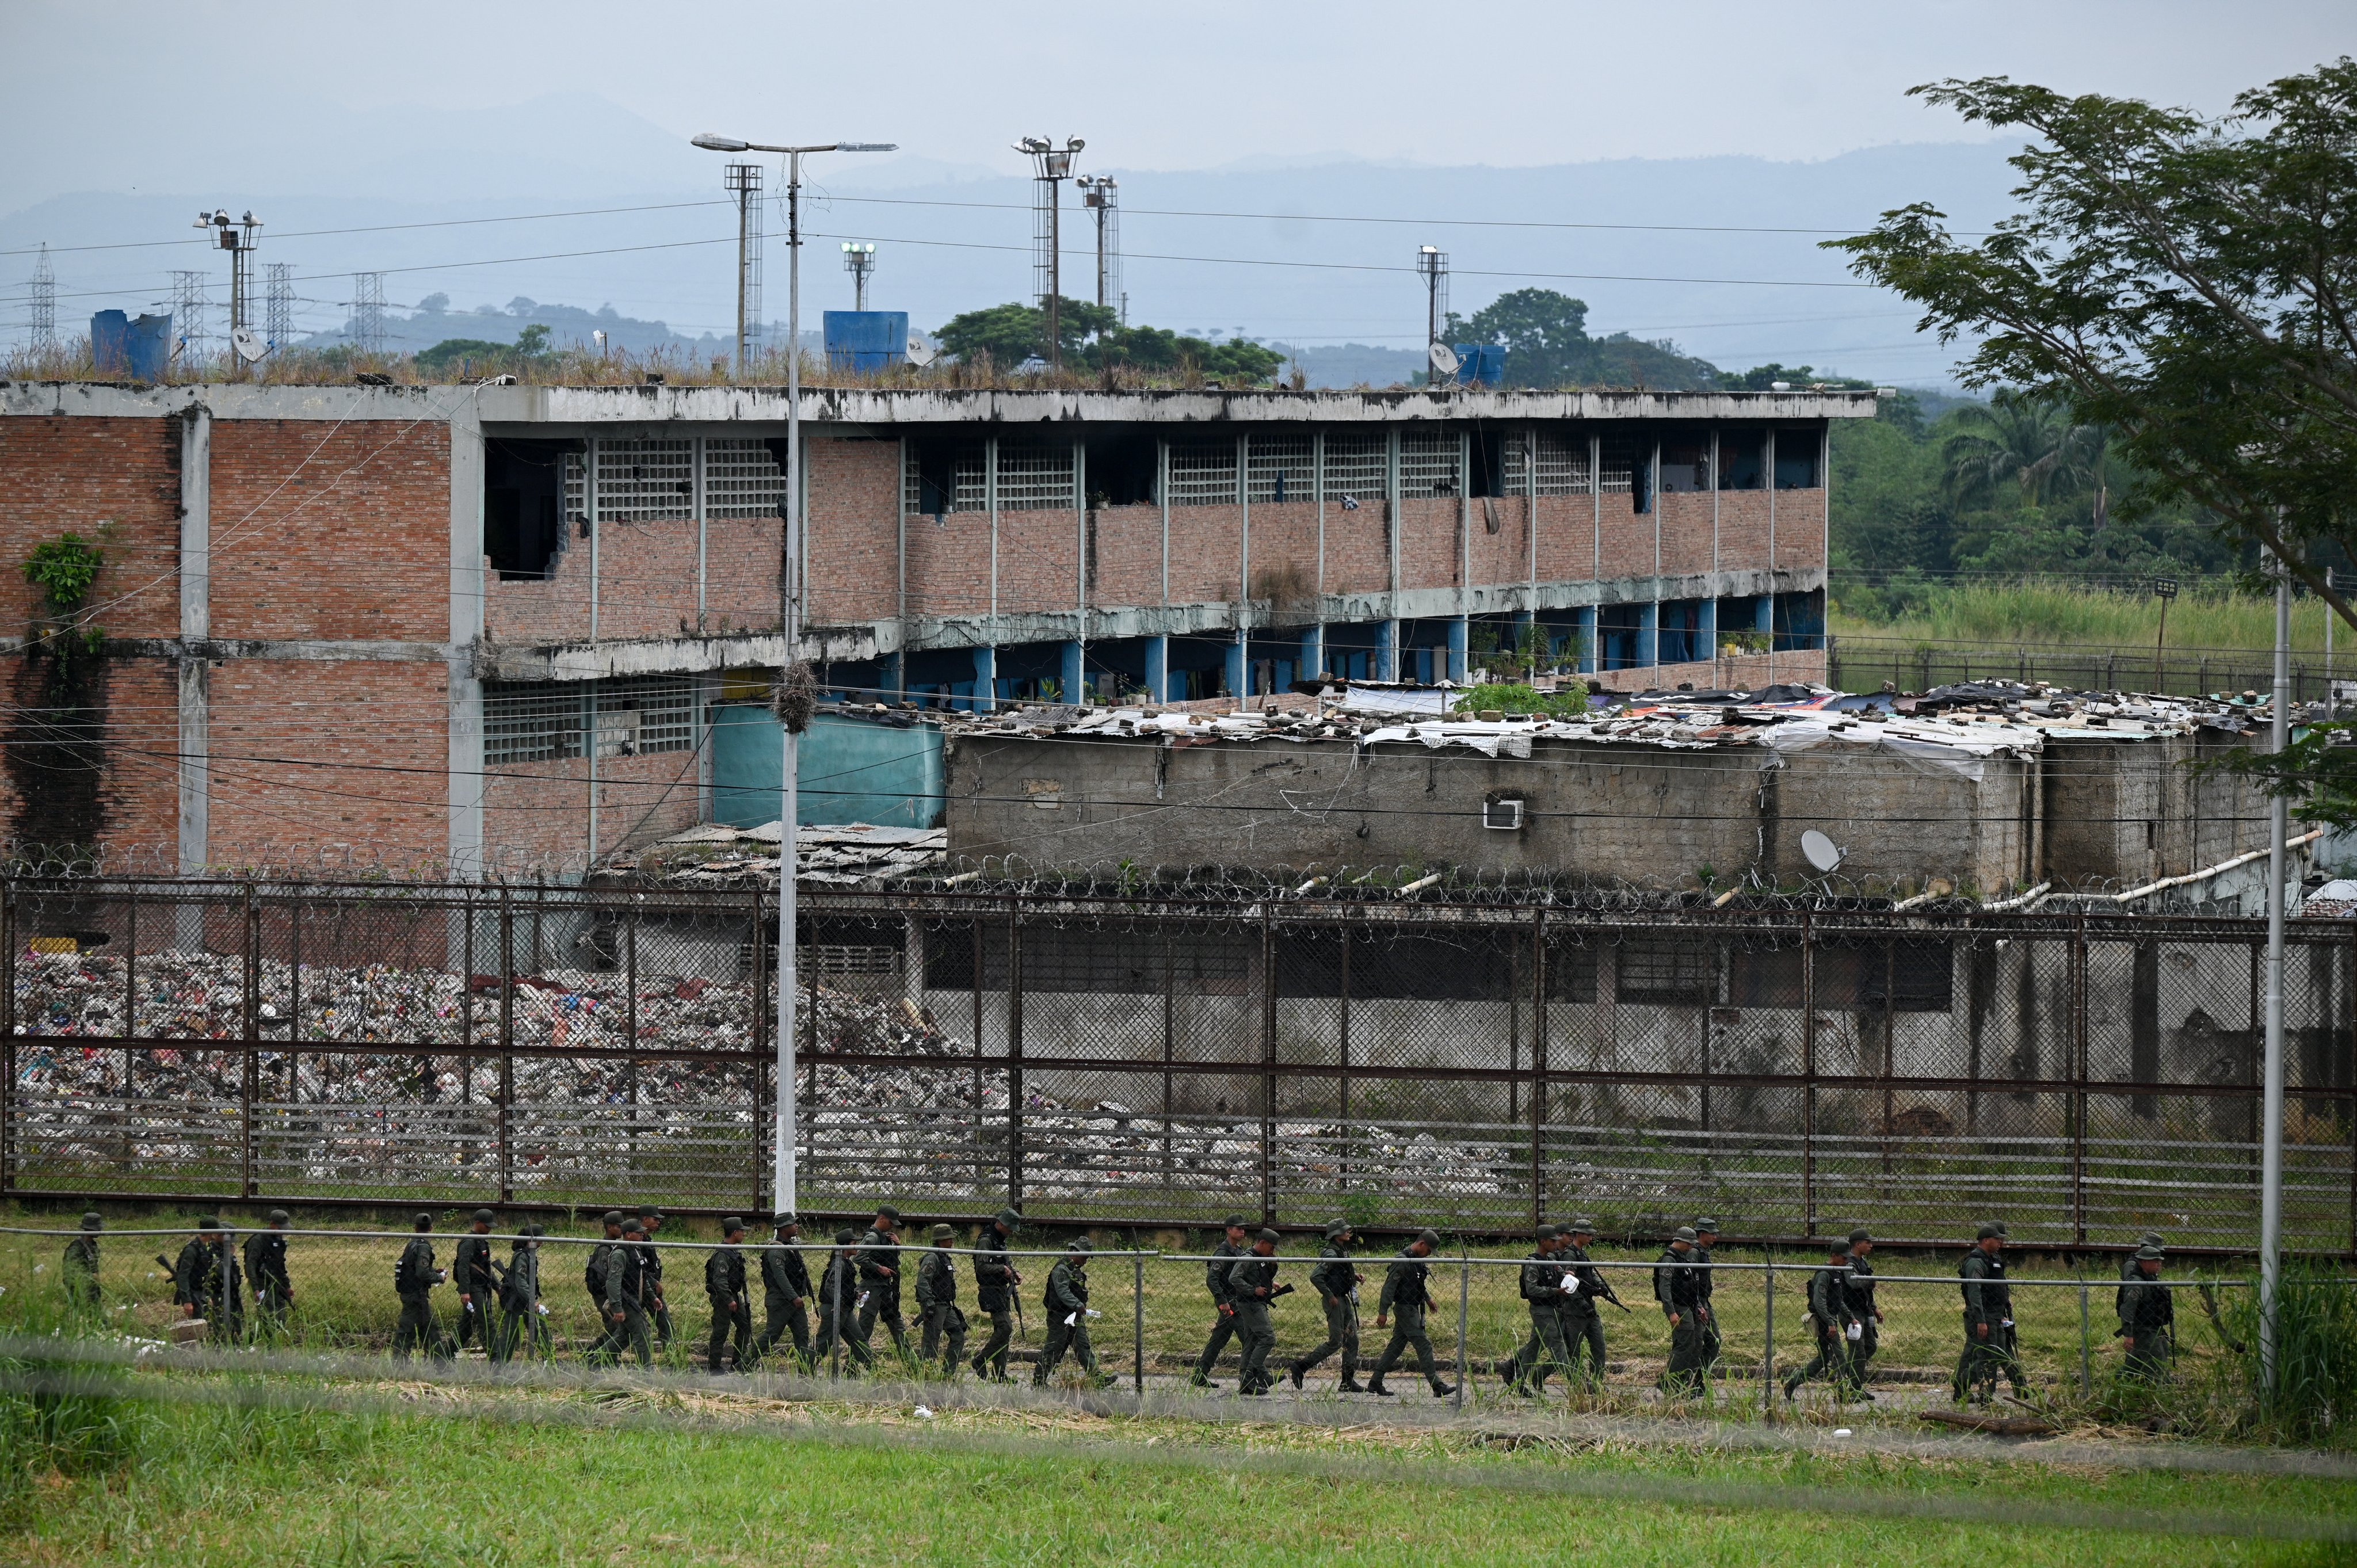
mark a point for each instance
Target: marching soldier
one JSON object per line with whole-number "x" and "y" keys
{"x": 1223, "y": 1306}
{"x": 523, "y": 1320}
{"x": 1585, "y": 1291}
{"x": 838, "y": 1297}
{"x": 1835, "y": 1323}
{"x": 1860, "y": 1289}
{"x": 81, "y": 1263}
{"x": 937, "y": 1309}
{"x": 1541, "y": 1286}
{"x": 1677, "y": 1285}
{"x": 627, "y": 1284}
{"x": 2128, "y": 1271}
{"x": 652, "y": 1260}
{"x": 208, "y": 1283}
{"x": 1251, "y": 1286}
{"x": 995, "y": 1281}
{"x": 1706, "y": 1231}
{"x": 785, "y": 1285}
{"x": 1407, "y": 1289}
{"x": 266, "y": 1271}
{"x": 2149, "y": 1317}
{"x": 470, "y": 1265}
{"x": 1067, "y": 1300}
{"x": 414, "y": 1279}
{"x": 593, "y": 1280}
{"x": 1337, "y": 1284}
{"x": 1989, "y": 1345}
{"x": 879, "y": 1279}
{"x": 724, "y": 1285}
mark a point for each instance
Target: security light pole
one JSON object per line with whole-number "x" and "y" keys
{"x": 2271, "y": 1110}
{"x": 1054, "y": 165}
{"x": 789, "y": 618}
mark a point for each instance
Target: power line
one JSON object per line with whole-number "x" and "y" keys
{"x": 388, "y": 228}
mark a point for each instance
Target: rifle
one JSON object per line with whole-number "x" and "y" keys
{"x": 1280, "y": 1289}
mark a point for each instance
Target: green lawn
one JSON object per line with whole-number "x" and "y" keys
{"x": 203, "y": 1486}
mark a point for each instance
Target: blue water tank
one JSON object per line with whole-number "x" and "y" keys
{"x": 138, "y": 350}
{"x": 1480, "y": 365}
{"x": 866, "y": 339}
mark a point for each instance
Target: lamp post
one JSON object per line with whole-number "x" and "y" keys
{"x": 859, "y": 259}
{"x": 788, "y": 617}
{"x": 1053, "y": 166}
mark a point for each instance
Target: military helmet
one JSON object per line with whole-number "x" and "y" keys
{"x": 1079, "y": 1244}
{"x": 944, "y": 1232}
{"x": 92, "y": 1221}
{"x": 1705, "y": 1226}
{"x": 1685, "y": 1233}
{"x": 1009, "y": 1218}
{"x": 1580, "y": 1227}
{"x": 2148, "y": 1253}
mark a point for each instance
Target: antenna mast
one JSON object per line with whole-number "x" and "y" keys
{"x": 745, "y": 181}
{"x": 368, "y": 312}
{"x": 44, "y": 304}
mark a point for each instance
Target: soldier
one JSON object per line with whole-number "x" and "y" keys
{"x": 879, "y": 1279}
{"x": 937, "y": 1309}
{"x": 1251, "y": 1286}
{"x": 994, "y": 1280}
{"x": 1544, "y": 1344}
{"x": 2149, "y": 1317}
{"x": 471, "y": 1266}
{"x": 1831, "y": 1314}
{"x": 2128, "y": 1271}
{"x": 81, "y": 1263}
{"x": 1585, "y": 1290}
{"x": 1223, "y": 1306}
{"x": 266, "y": 1269}
{"x": 1706, "y": 1231}
{"x": 724, "y": 1286}
{"x": 628, "y": 1287}
{"x": 593, "y": 1280}
{"x": 1337, "y": 1284}
{"x": 1860, "y": 1289}
{"x": 785, "y": 1285}
{"x": 838, "y": 1306}
{"x": 1067, "y": 1300}
{"x": 207, "y": 1284}
{"x": 1677, "y": 1285}
{"x": 651, "y": 1258}
{"x": 1989, "y": 1347}
{"x": 1407, "y": 1289}
{"x": 414, "y": 1279}
{"x": 524, "y": 1322}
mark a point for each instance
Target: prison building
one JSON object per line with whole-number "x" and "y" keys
{"x": 473, "y": 625}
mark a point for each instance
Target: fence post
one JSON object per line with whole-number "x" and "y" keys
{"x": 1538, "y": 1064}
{"x": 1464, "y": 1306}
{"x": 1768, "y": 1349}
{"x": 764, "y": 1060}
{"x": 251, "y": 1028}
{"x": 1808, "y": 1074}
{"x": 1137, "y": 1322}
{"x": 1268, "y": 1062}
{"x": 9, "y": 1035}
{"x": 2079, "y": 1078}
{"x": 507, "y": 1043}
{"x": 1013, "y": 1056}
{"x": 2086, "y": 1369}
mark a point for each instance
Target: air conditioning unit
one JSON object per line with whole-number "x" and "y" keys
{"x": 1506, "y": 816}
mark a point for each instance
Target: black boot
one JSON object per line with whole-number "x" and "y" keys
{"x": 1444, "y": 1391}
{"x": 1297, "y": 1374}
{"x": 1375, "y": 1387}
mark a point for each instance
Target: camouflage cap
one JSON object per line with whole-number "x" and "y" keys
{"x": 1994, "y": 1228}
{"x": 730, "y": 1226}
{"x": 1009, "y": 1218}
{"x": 785, "y": 1223}
{"x": 634, "y": 1226}
{"x": 485, "y": 1216}
{"x": 1581, "y": 1227}
{"x": 2150, "y": 1238}
{"x": 92, "y": 1221}
{"x": 1079, "y": 1244}
{"x": 1429, "y": 1238}
{"x": 1684, "y": 1233}
{"x": 279, "y": 1217}
{"x": 1860, "y": 1234}
{"x": 944, "y": 1232}
{"x": 1236, "y": 1223}
{"x": 613, "y": 1217}
{"x": 213, "y": 1223}
{"x": 842, "y": 1237}
{"x": 2148, "y": 1253}
{"x": 1548, "y": 1232}
{"x": 648, "y": 1211}
{"x": 1337, "y": 1227}
{"x": 1268, "y": 1236}
{"x": 1705, "y": 1226}
{"x": 1837, "y": 1246}
{"x": 889, "y": 1212}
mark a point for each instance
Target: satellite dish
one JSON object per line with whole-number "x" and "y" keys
{"x": 248, "y": 343}
{"x": 919, "y": 351}
{"x": 1444, "y": 359}
{"x": 1820, "y": 850}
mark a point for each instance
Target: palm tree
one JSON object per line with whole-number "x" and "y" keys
{"x": 2023, "y": 440}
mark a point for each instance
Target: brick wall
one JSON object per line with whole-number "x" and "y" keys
{"x": 116, "y": 482}
{"x": 1502, "y": 552}
{"x": 1206, "y": 553}
{"x": 1128, "y": 556}
{"x": 1742, "y": 529}
{"x": 1038, "y": 559}
{"x": 1566, "y": 538}
{"x": 120, "y": 785}
{"x": 1428, "y": 542}
{"x": 1800, "y": 529}
{"x": 854, "y": 530}
{"x": 331, "y": 753}
{"x": 1285, "y": 539}
{"x": 1628, "y": 537}
{"x": 538, "y": 813}
{"x": 1686, "y": 532}
{"x": 1358, "y": 548}
{"x": 1733, "y": 673}
{"x": 330, "y": 531}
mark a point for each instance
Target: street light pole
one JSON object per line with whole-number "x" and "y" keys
{"x": 789, "y": 511}
{"x": 2271, "y": 1111}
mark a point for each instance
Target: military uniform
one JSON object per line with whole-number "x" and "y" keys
{"x": 937, "y": 1309}
{"x": 1406, "y": 1298}
{"x": 1066, "y": 1301}
{"x": 593, "y": 1280}
{"x": 1860, "y": 1290}
{"x": 1677, "y": 1285}
{"x": 1706, "y": 1280}
{"x": 627, "y": 1288}
{"x": 1582, "y": 1311}
{"x": 994, "y": 1292}
{"x": 521, "y": 1326}
{"x": 414, "y": 1279}
{"x": 1541, "y": 1287}
{"x": 785, "y": 1285}
{"x": 1337, "y": 1283}
{"x": 266, "y": 1271}
{"x": 651, "y": 1260}
{"x": 732, "y": 1311}
{"x": 81, "y": 1265}
{"x": 1989, "y": 1345}
{"x": 208, "y": 1278}
{"x": 1224, "y": 1320}
{"x": 838, "y": 1295}
{"x": 1251, "y": 1285}
{"x": 471, "y": 1268}
{"x": 2148, "y": 1321}
{"x": 879, "y": 1291}
{"x": 1831, "y": 1316}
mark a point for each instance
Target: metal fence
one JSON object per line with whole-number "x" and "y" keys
{"x": 1119, "y": 1057}
{"x": 1861, "y": 663}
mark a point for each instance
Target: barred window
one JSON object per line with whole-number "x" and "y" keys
{"x": 1562, "y": 464}
{"x": 939, "y": 477}
{"x": 576, "y": 487}
{"x": 1033, "y": 475}
{"x": 645, "y": 714}
{"x": 536, "y": 722}
{"x": 1354, "y": 466}
{"x": 1278, "y": 468}
{"x": 1618, "y": 468}
{"x": 640, "y": 481}
{"x": 1669, "y": 970}
{"x": 555, "y": 721}
{"x": 1203, "y": 473}
{"x": 1428, "y": 463}
{"x": 741, "y": 479}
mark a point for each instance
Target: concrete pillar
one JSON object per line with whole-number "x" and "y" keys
{"x": 1313, "y": 652}
{"x": 1157, "y": 670}
{"x": 1387, "y": 665}
{"x": 195, "y": 672}
{"x": 1460, "y": 639}
{"x": 1074, "y": 674}
{"x": 986, "y": 680}
{"x": 1649, "y": 635}
{"x": 464, "y": 754}
{"x": 1588, "y": 651}
{"x": 1763, "y": 614}
{"x": 1706, "y": 628}
{"x": 1237, "y": 672}
{"x": 894, "y": 677}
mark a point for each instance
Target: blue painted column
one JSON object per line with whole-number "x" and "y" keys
{"x": 1460, "y": 638}
{"x": 1588, "y": 652}
{"x": 1387, "y": 651}
{"x": 1649, "y": 635}
{"x": 892, "y": 680}
{"x": 1157, "y": 670}
{"x": 1313, "y": 652}
{"x": 1707, "y": 629}
{"x": 1072, "y": 673}
{"x": 986, "y": 680}
{"x": 1236, "y": 671}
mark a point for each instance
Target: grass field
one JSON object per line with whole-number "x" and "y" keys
{"x": 198, "y": 1486}
{"x": 1992, "y": 615}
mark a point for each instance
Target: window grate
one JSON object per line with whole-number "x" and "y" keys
{"x": 1618, "y": 468}
{"x": 1278, "y": 468}
{"x": 551, "y": 721}
{"x": 1034, "y": 476}
{"x": 741, "y": 479}
{"x": 1562, "y": 465}
{"x": 531, "y": 722}
{"x": 1354, "y": 466}
{"x": 1203, "y": 474}
{"x": 642, "y": 481}
{"x": 654, "y": 712}
{"x": 1428, "y": 463}
{"x": 577, "y": 487}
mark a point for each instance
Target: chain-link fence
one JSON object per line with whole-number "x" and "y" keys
{"x": 1136, "y": 1059}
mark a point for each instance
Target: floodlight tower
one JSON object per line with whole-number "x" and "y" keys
{"x": 1053, "y": 166}
{"x": 277, "y": 306}
{"x": 44, "y": 305}
{"x": 188, "y": 319}
{"x": 1434, "y": 264}
{"x": 235, "y": 235}
{"x": 744, "y": 181}
{"x": 859, "y": 259}
{"x": 1100, "y": 194}
{"x": 368, "y": 312}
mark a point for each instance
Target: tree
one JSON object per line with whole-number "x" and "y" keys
{"x": 1548, "y": 345}
{"x": 1094, "y": 338}
{"x": 451, "y": 350}
{"x": 2027, "y": 442}
{"x": 2185, "y": 283}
